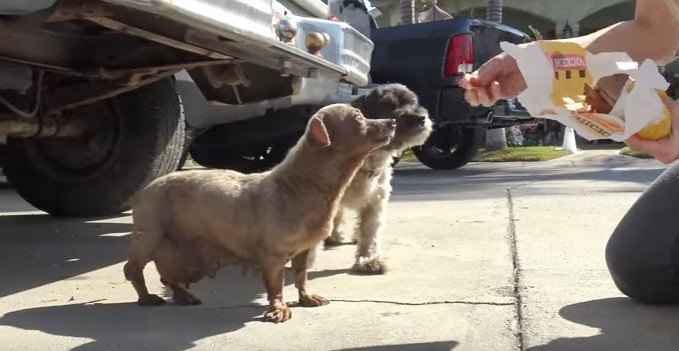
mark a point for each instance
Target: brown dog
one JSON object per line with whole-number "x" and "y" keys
{"x": 192, "y": 223}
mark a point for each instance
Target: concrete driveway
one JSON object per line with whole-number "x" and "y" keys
{"x": 490, "y": 257}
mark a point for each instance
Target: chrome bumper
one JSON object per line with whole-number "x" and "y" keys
{"x": 251, "y": 23}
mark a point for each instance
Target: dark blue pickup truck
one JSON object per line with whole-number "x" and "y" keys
{"x": 430, "y": 58}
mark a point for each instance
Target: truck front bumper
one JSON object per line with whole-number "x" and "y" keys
{"x": 245, "y": 29}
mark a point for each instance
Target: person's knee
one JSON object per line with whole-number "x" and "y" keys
{"x": 636, "y": 276}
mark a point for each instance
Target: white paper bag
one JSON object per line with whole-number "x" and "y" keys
{"x": 557, "y": 74}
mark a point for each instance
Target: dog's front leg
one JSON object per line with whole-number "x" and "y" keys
{"x": 369, "y": 258}
{"x": 299, "y": 266}
{"x": 274, "y": 279}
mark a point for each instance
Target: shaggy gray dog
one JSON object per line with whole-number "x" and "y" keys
{"x": 370, "y": 189}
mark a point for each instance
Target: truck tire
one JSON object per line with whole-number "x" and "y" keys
{"x": 450, "y": 147}
{"x": 134, "y": 138}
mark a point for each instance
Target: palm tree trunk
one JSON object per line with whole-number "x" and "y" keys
{"x": 494, "y": 11}
{"x": 496, "y": 139}
{"x": 407, "y": 10}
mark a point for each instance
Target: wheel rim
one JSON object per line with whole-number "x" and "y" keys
{"x": 443, "y": 142}
{"x": 79, "y": 159}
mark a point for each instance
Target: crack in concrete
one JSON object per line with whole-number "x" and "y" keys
{"x": 399, "y": 303}
{"x": 446, "y": 302}
{"x": 511, "y": 231}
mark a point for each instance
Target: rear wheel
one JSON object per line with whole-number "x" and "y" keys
{"x": 450, "y": 147}
{"x": 133, "y": 139}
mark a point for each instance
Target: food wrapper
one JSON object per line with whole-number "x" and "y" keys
{"x": 561, "y": 79}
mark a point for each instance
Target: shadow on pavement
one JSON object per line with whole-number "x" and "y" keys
{"x": 227, "y": 300}
{"x": 126, "y": 326}
{"x": 624, "y": 324}
{"x": 232, "y": 288}
{"x": 38, "y": 249}
{"x": 421, "y": 184}
{"x": 425, "y": 346}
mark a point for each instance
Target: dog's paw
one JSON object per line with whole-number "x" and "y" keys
{"x": 278, "y": 314}
{"x": 370, "y": 265}
{"x": 151, "y": 300}
{"x": 311, "y": 300}
{"x": 338, "y": 240}
{"x": 333, "y": 240}
{"x": 186, "y": 299}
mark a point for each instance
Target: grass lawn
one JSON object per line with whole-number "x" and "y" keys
{"x": 629, "y": 152}
{"x": 600, "y": 146}
{"x": 409, "y": 156}
{"x": 525, "y": 153}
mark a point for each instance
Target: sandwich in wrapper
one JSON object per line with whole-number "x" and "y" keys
{"x": 561, "y": 79}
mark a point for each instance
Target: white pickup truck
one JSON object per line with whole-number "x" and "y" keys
{"x": 97, "y": 97}
{"x": 254, "y": 135}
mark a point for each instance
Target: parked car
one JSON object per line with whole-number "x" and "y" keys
{"x": 430, "y": 58}
{"x": 89, "y": 109}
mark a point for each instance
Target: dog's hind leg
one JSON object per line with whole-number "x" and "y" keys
{"x": 181, "y": 296}
{"x": 143, "y": 243}
{"x": 134, "y": 272}
{"x": 369, "y": 258}
{"x": 299, "y": 266}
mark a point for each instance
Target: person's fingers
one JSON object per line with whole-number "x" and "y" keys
{"x": 513, "y": 85}
{"x": 472, "y": 97}
{"x": 495, "y": 91}
{"x": 673, "y": 106}
{"x": 662, "y": 149}
{"x": 465, "y": 81}
{"x": 665, "y": 150}
{"x": 496, "y": 79}
{"x": 483, "y": 97}
{"x": 491, "y": 70}
{"x": 637, "y": 143}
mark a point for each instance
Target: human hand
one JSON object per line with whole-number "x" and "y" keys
{"x": 664, "y": 150}
{"x": 498, "y": 78}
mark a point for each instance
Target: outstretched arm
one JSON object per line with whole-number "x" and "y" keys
{"x": 653, "y": 33}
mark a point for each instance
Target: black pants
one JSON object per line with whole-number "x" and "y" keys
{"x": 643, "y": 252}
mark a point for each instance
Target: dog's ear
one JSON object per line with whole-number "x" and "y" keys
{"x": 318, "y": 132}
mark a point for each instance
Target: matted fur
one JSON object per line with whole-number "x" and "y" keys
{"x": 370, "y": 189}
{"x": 192, "y": 223}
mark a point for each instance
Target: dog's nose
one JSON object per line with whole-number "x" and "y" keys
{"x": 421, "y": 120}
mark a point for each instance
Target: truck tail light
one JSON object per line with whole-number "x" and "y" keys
{"x": 460, "y": 55}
